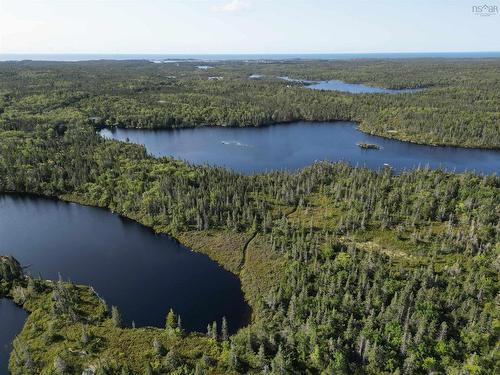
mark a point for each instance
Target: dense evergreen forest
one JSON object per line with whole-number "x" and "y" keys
{"x": 347, "y": 270}
{"x": 459, "y": 103}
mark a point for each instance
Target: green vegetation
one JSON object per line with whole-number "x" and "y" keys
{"x": 459, "y": 105}
{"x": 347, "y": 270}
{"x": 70, "y": 330}
{"x": 10, "y": 270}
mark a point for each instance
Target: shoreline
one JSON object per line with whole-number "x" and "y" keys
{"x": 357, "y": 123}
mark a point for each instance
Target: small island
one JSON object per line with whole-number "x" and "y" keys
{"x": 368, "y": 146}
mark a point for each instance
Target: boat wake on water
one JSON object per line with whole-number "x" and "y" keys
{"x": 234, "y": 143}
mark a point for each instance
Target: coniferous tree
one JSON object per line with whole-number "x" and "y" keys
{"x": 116, "y": 316}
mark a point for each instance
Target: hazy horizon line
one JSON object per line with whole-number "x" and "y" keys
{"x": 247, "y": 53}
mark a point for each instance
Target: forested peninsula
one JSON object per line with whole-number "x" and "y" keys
{"x": 459, "y": 103}
{"x": 347, "y": 270}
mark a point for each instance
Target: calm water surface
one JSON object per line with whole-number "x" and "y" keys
{"x": 293, "y": 146}
{"x": 12, "y": 320}
{"x": 353, "y": 88}
{"x": 142, "y": 273}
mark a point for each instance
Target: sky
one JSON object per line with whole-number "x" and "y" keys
{"x": 245, "y": 26}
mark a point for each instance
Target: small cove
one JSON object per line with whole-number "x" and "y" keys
{"x": 142, "y": 273}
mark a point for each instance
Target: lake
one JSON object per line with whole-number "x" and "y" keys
{"x": 353, "y": 88}
{"x": 296, "y": 145}
{"x": 142, "y": 273}
{"x": 12, "y": 320}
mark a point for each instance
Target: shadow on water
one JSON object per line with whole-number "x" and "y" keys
{"x": 142, "y": 273}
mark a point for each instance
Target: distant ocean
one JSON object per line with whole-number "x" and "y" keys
{"x": 244, "y": 57}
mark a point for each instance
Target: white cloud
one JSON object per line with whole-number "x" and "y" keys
{"x": 232, "y": 6}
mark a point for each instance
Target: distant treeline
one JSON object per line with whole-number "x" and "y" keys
{"x": 459, "y": 104}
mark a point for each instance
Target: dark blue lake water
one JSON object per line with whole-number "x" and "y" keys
{"x": 142, "y": 273}
{"x": 12, "y": 320}
{"x": 296, "y": 145}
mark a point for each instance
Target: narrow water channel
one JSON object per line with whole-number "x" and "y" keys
{"x": 12, "y": 319}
